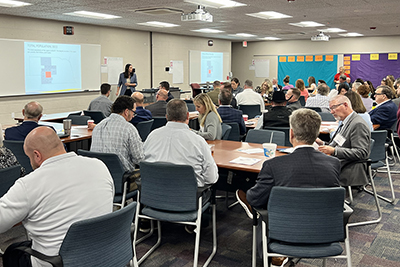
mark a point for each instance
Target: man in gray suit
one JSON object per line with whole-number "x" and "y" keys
{"x": 159, "y": 108}
{"x": 350, "y": 144}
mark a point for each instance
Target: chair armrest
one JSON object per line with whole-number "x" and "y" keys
{"x": 263, "y": 213}
{"x": 55, "y": 261}
{"x": 347, "y": 213}
{"x": 201, "y": 190}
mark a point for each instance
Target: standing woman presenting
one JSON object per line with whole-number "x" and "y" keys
{"x": 127, "y": 81}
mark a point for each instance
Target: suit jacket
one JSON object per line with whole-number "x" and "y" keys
{"x": 385, "y": 115}
{"x": 141, "y": 115}
{"x": 214, "y": 96}
{"x": 305, "y": 167}
{"x": 158, "y": 109}
{"x": 355, "y": 148}
{"x": 229, "y": 114}
{"x": 293, "y": 106}
{"x": 18, "y": 133}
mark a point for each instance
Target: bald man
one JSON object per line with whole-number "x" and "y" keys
{"x": 141, "y": 114}
{"x": 62, "y": 189}
{"x": 159, "y": 108}
{"x": 32, "y": 113}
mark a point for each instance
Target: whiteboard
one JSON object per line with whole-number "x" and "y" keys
{"x": 115, "y": 65}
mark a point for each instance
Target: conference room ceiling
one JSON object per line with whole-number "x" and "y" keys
{"x": 350, "y": 15}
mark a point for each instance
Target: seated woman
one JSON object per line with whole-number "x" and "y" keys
{"x": 302, "y": 87}
{"x": 209, "y": 119}
{"x": 7, "y": 158}
{"x": 359, "y": 108}
{"x": 364, "y": 91}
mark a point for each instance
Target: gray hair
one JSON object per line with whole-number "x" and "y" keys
{"x": 323, "y": 89}
{"x": 305, "y": 124}
{"x": 385, "y": 90}
{"x": 248, "y": 83}
{"x": 356, "y": 85}
{"x": 177, "y": 110}
{"x": 33, "y": 110}
{"x": 342, "y": 99}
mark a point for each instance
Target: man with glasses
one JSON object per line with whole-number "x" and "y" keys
{"x": 385, "y": 113}
{"x": 116, "y": 135}
{"x": 350, "y": 143}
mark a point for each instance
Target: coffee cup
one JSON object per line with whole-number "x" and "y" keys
{"x": 67, "y": 123}
{"x": 245, "y": 117}
{"x": 269, "y": 150}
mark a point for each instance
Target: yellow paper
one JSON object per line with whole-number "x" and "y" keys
{"x": 374, "y": 57}
{"x": 392, "y": 56}
{"x": 355, "y": 57}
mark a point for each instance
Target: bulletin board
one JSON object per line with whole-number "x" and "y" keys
{"x": 322, "y": 67}
{"x": 373, "y": 66}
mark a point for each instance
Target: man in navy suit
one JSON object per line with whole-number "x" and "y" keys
{"x": 32, "y": 113}
{"x": 385, "y": 113}
{"x": 141, "y": 114}
{"x": 227, "y": 112}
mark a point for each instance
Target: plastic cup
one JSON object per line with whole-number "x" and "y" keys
{"x": 269, "y": 150}
{"x": 90, "y": 122}
{"x": 245, "y": 117}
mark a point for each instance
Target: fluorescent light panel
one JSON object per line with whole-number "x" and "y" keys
{"x": 243, "y": 35}
{"x": 269, "y": 15}
{"x": 270, "y": 38}
{"x": 216, "y": 3}
{"x": 11, "y": 3}
{"x": 351, "y": 34}
{"x": 206, "y": 30}
{"x": 332, "y": 30}
{"x": 304, "y": 24}
{"x": 158, "y": 24}
{"x": 91, "y": 15}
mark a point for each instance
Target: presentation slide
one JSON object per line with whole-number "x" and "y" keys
{"x": 211, "y": 66}
{"x": 52, "y": 68}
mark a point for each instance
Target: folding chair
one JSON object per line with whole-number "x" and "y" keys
{"x": 261, "y": 136}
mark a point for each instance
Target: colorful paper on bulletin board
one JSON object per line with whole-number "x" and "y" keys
{"x": 355, "y": 57}
{"x": 346, "y": 67}
{"x": 346, "y": 58}
{"x": 291, "y": 59}
{"x": 374, "y": 70}
{"x": 282, "y": 59}
{"x": 302, "y": 69}
{"x": 318, "y": 58}
{"x": 374, "y": 57}
{"x": 346, "y": 63}
{"x": 392, "y": 56}
{"x": 329, "y": 58}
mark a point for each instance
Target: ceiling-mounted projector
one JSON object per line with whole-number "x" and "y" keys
{"x": 199, "y": 14}
{"x": 320, "y": 37}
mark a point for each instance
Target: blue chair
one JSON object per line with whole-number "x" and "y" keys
{"x": 97, "y": 116}
{"x": 226, "y": 130}
{"x": 317, "y": 109}
{"x": 305, "y": 223}
{"x": 234, "y": 135}
{"x": 250, "y": 110}
{"x": 264, "y": 136}
{"x": 286, "y": 130}
{"x": 169, "y": 192}
{"x": 144, "y": 128}
{"x": 17, "y": 148}
{"x": 191, "y": 107}
{"x": 302, "y": 100}
{"x": 8, "y": 177}
{"x": 78, "y": 120}
{"x": 116, "y": 169}
{"x": 158, "y": 122}
{"x": 325, "y": 116}
{"x": 99, "y": 241}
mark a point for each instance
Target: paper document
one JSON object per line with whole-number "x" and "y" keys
{"x": 286, "y": 150}
{"x": 252, "y": 150}
{"x": 245, "y": 161}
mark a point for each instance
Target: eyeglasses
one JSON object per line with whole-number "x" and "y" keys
{"x": 336, "y": 106}
{"x": 379, "y": 93}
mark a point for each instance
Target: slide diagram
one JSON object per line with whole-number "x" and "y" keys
{"x": 52, "y": 68}
{"x": 211, "y": 66}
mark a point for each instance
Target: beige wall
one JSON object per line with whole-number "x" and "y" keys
{"x": 242, "y": 57}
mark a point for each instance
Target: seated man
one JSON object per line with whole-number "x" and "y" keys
{"x": 141, "y": 114}
{"x": 102, "y": 103}
{"x": 350, "y": 144}
{"x": 321, "y": 99}
{"x": 277, "y": 115}
{"x": 32, "y": 113}
{"x": 228, "y": 113}
{"x": 159, "y": 108}
{"x": 305, "y": 167}
{"x": 215, "y": 92}
{"x": 116, "y": 135}
{"x": 385, "y": 113}
{"x": 227, "y": 85}
{"x": 63, "y": 189}
{"x": 292, "y": 97}
{"x": 165, "y": 85}
{"x": 249, "y": 96}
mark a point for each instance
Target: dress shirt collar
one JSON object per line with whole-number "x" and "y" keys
{"x": 139, "y": 108}
{"x": 382, "y": 103}
{"x": 116, "y": 116}
{"x": 227, "y": 106}
{"x": 58, "y": 158}
{"x": 348, "y": 118}
{"x": 177, "y": 125}
{"x": 302, "y": 146}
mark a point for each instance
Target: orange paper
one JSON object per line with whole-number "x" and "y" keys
{"x": 309, "y": 58}
{"x": 282, "y": 59}
{"x": 300, "y": 58}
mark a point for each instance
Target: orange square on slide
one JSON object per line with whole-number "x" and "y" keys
{"x": 48, "y": 74}
{"x": 209, "y": 71}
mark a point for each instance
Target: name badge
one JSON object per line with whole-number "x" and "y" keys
{"x": 339, "y": 139}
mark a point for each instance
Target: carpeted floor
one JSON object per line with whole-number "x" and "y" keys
{"x": 371, "y": 245}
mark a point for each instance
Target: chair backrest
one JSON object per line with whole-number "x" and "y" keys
{"x": 175, "y": 92}
{"x": 113, "y": 164}
{"x": 325, "y": 116}
{"x": 264, "y": 136}
{"x": 234, "y": 135}
{"x": 250, "y": 110}
{"x": 302, "y": 100}
{"x": 282, "y": 129}
{"x": 158, "y": 122}
{"x": 8, "y": 177}
{"x": 97, "y": 116}
{"x": 100, "y": 241}
{"x": 191, "y": 107}
{"x": 316, "y": 214}
{"x": 161, "y": 181}
{"x": 17, "y": 148}
{"x": 317, "y": 109}
{"x": 378, "y": 150}
{"x": 226, "y": 130}
{"x": 144, "y": 128}
{"x": 78, "y": 113}
{"x": 78, "y": 120}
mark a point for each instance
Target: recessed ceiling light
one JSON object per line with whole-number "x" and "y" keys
{"x": 92, "y": 15}
{"x": 269, "y": 15}
{"x": 307, "y": 24}
{"x": 158, "y": 24}
{"x": 270, "y": 38}
{"x": 216, "y": 3}
{"x": 205, "y": 30}
{"x": 332, "y": 30}
{"x": 243, "y": 35}
{"x": 351, "y": 34}
{"x": 11, "y": 3}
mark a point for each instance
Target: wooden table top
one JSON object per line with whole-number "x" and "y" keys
{"x": 225, "y": 151}
{"x": 78, "y": 132}
{"x": 51, "y": 117}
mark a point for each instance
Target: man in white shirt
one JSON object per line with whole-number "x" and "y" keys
{"x": 62, "y": 189}
{"x": 250, "y": 97}
{"x": 321, "y": 99}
